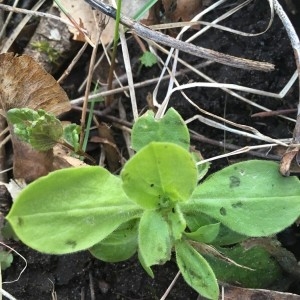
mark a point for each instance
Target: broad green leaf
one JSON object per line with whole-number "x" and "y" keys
{"x": 205, "y": 234}
{"x": 159, "y": 175}
{"x": 71, "y": 135}
{"x": 170, "y": 128}
{"x": 264, "y": 271}
{"x": 154, "y": 238}
{"x": 70, "y": 210}
{"x": 119, "y": 245}
{"x": 196, "y": 271}
{"x": 40, "y": 129}
{"x": 251, "y": 198}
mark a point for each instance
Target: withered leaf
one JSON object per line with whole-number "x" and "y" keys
{"x": 288, "y": 163}
{"x": 24, "y": 83}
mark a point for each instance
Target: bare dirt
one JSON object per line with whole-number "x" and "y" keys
{"x": 78, "y": 276}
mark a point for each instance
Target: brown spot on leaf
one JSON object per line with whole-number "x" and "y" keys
{"x": 223, "y": 211}
{"x": 71, "y": 243}
{"x": 234, "y": 181}
{"x": 20, "y": 221}
{"x": 237, "y": 204}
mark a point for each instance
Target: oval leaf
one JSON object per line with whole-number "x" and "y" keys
{"x": 40, "y": 129}
{"x": 71, "y": 135}
{"x": 170, "y": 128}
{"x": 251, "y": 198}
{"x": 154, "y": 239}
{"x": 265, "y": 270}
{"x": 176, "y": 222}
{"x": 159, "y": 175}
{"x": 205, "y": 234}
{"x": 226, "y": 236}
{"x": 196, "y": 271}
{"x": 119, "y": 245}
{"x": 70, "y": 210}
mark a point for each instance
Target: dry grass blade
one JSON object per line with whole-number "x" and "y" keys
{"x": 158, "y": 37}
{"x": 13, "y": 9}
{"x": 16, "y": 32}
{"x": 228, "y": 88}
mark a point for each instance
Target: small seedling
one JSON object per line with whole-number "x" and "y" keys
{"x": 45, "y": 47}
{"x": 6, "y": 259}
{"x": 156, "y": 206}
{"x": 148, "y": 59}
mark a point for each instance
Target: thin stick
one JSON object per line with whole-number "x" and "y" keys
{"x": 8, "y": 43}
{"x": 105, "y": 92}
{"x": 7, "y": 295}
{"x": 73, "y": 63}
{"x": 89, "y": 82}
{"x": 236, "y": 152}
{"x": 170, "y": 286}
{"x": 109, "y": 99}
{"x": 2, "y": 31}
{"x": 3, "y": 157}
{"x": 129, "y": 74}
{"x": 203, "y": 139}
{"x": 296, "y": 47}
{"x": 146, "y": 32}
{"x": 14, "y": 9}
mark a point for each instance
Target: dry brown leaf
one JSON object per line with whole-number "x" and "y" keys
{"x": 112, "y": 153}
{"x": 83, "y": 14}
{"x": 289, "y": 162}
{"x": 238, "y": 293}
{"x": 62, "y": 158}
{"x": 14, "y": 187}
{"x": 181, "y": 10}
{"x": 24, "y": 83}
{"x": 28, "y": 163}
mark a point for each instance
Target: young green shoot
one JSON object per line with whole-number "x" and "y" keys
{"x": 156, "y": 207}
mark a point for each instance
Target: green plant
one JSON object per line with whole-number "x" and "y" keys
{"x": 6, "y": 259}
{"x": 42, "y": 130}
{"x": 157, "y": 206}
{"x": 148, "y": 59}
{"x": 45, "y": 47}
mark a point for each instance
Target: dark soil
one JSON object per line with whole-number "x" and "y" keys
{"x": 75, "y": 276}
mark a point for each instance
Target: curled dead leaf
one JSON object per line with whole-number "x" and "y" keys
{"x": 83, "y": 14}
{"x": 63, "y": 158}
{"x": 289, "y": 162}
